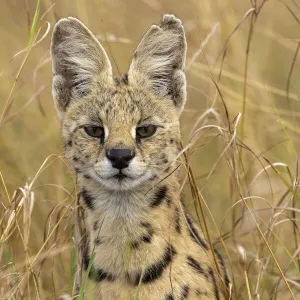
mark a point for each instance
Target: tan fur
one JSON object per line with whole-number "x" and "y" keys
{"x": 138, "y": 229}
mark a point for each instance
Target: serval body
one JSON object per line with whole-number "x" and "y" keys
{"x": 122, "y": 137}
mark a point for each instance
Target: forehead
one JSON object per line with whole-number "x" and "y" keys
{"x": 123, "y": 103}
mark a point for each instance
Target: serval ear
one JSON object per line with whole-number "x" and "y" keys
{"x": 79, "y": 61}
{"x": 160, "y": 61}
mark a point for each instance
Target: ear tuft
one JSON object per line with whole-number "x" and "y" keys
{"x": 78, "y": 61}
{"x": 160, "y": 60}
{"x": 170, "y": 21}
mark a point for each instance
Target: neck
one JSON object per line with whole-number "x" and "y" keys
{"x": 120, "y": 220}
{"x": 112, "y": 207}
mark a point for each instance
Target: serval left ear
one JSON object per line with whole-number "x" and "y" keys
{"x": 159, "y": 60}
{"x": 79, "y": 62}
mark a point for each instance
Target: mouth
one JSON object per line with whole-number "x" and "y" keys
{"x": 121, "y": 181}
{"x": 120, "y": 176}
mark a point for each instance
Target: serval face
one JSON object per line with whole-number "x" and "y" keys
{"x": 120, "y": 132}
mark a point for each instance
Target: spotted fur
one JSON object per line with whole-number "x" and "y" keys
{"x": 139, "y": 239}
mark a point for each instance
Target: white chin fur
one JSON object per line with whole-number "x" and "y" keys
{"x": 120, "y": 185}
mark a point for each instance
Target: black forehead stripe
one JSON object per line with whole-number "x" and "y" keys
{"x": 156, "y": 270}
{"x": 88, "y": 199}
{"x": 159, "y": 196}
{"x": 194, "y": 233}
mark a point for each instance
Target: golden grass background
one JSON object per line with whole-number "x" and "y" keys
{"x": 242, "y": 57}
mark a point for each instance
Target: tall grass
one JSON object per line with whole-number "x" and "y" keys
{"x": 240, "y": 157}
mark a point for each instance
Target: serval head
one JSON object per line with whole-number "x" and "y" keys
{"x": 120, "y": 132}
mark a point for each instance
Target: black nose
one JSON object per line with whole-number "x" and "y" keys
{"x": 120, "y": 158}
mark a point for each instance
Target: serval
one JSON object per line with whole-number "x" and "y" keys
{"x": 122, "y": 137}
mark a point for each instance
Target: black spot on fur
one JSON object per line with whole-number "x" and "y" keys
{"x": 146, "y": 238}
{"x": 88, "y": 199}
{"x": 75, "y": 158}
{"x": 184, "y": 292}
{"x": 163, "y": 156}
{"x": 196, "y": 266}
{"x": 97, "y": 275}
{"x": 77, "y": 170}
{"x": 97, "y": 241}
{"x": 199, "y": 292}
{"x": 159, "y": 196}
{"x": 168, "y": 169}
{"x": 168, "y": 201}
{"x": 213, "y": 279}
{"x": 221, "y": 261}
{"x": 148, "y": 227}
{"x": 135, "y": 244}
{"x": 169, "y": 297}
{"x": 194, "y": 234}
{"x": 177, "y": 220}
{"x": 96, "y": 225}
{"x": 101, "y": 275}
{"x": 156, "y": 270}
{"x": 165, "y": 161}
{"x": 68, "y": 143}
{"x": 86, "y": 257}
{"x": 87, "y": 176}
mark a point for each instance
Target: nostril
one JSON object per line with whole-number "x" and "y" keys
{"x": 120, "y": 158}
{"x": 130, "y": 156}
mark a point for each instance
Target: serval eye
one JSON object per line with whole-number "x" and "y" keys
{"x": 146, "y": 131}
{"x": 94, "y": 131}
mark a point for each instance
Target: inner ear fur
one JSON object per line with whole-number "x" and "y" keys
{"x": 159, "y": 60}
{"x": 78, "y": 61}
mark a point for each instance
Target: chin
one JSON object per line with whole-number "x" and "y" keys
{"x": 123, "y": 184}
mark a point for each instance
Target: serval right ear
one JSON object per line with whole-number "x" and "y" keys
{"x": 79, "y": 63}
{"x": 159, "y": 61}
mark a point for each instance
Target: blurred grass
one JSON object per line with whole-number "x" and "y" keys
{"x": 29, "y": 134}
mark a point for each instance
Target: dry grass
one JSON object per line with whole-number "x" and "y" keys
{"x": 240, "y": 138}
